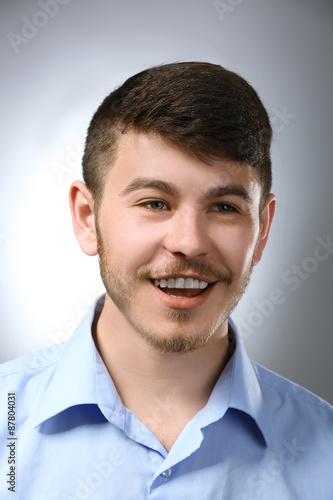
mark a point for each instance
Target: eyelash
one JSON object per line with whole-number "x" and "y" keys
{"x": 230, "y": 207}
{"x": 146, "y": 204}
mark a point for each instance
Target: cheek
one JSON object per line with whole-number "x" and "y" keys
{"x": 247, "y": 253}
{"x": 129, "y": 245}
{"x": 237, "y": 250}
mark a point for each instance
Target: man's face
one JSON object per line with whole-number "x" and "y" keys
{"x": 177, "y": 241}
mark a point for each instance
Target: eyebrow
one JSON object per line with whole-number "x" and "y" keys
{"x": 229, "y": 189}
{"x": 172, "y": 189}
{"x": 148, "y": 183}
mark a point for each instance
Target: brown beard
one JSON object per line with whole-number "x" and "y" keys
{"x": 119, "y": 290}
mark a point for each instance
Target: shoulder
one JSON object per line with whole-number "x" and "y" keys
{"x": 293, "y": 408}
{"x": 30, "y": 366}
{"x": 284, "y": 388}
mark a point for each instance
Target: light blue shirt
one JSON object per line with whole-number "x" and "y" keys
{"x": 259, "y": 436}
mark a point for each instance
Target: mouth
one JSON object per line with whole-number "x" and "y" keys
{"x": 182, "y": 288}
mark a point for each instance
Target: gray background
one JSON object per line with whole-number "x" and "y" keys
{"x": 54, "y": 77}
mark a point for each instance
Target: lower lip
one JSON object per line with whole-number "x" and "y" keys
{"x": 183, "y": 303}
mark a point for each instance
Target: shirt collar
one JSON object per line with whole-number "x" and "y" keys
{"x": 74, "y": 380}
{"x": 246, "y": 393}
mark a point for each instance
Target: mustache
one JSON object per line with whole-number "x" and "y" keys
{"x": 179, "y": 267}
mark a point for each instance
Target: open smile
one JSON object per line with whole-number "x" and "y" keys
{"x": 183, "y": 293}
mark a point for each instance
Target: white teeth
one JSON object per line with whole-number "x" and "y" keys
{"x": 189, "y": 283}
{"x": 181, "y": 283}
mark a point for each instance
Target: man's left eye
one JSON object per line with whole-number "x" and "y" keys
{"x": 223, "y": 208}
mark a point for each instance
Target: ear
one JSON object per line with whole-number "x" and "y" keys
{"x": 82, "y": 209}
{"x": 266, "y": 222}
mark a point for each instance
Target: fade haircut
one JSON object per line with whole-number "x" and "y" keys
{"x": 201, "y": 108}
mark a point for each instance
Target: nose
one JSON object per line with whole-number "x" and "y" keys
{"x": 187, "y": 235}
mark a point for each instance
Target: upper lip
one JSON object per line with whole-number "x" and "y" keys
{"x": 175, "y": 276}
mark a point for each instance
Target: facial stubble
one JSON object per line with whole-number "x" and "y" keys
{"x": 119, "y": 290}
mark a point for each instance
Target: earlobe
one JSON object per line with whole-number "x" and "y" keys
{"x": 82, "y": 210}
{"x": 266, "y": 223}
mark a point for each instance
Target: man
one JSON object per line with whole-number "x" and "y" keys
{"x": 154, "y": 396}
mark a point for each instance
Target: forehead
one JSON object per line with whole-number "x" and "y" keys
{"x": 148, "y": 155}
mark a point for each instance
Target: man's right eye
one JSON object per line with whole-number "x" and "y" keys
{"x": 155, "y": 205}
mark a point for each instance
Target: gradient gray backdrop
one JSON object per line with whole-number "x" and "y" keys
{"x": 56, "y": 74}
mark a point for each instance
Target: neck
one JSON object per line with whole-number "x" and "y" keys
{"x": 150, "y": 382}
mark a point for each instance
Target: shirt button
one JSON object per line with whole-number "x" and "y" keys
{"x": 166, "y": 474}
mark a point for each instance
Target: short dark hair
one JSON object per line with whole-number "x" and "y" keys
{"x": 201, "y": 108}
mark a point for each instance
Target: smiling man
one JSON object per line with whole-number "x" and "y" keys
{"x": 154, "y": 396}
{"x": 177, "y": 240}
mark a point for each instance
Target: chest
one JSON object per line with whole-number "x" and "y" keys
{"x": 167, "y": 423}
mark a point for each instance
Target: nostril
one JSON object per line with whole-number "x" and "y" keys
{"x": 180, "y": 254}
